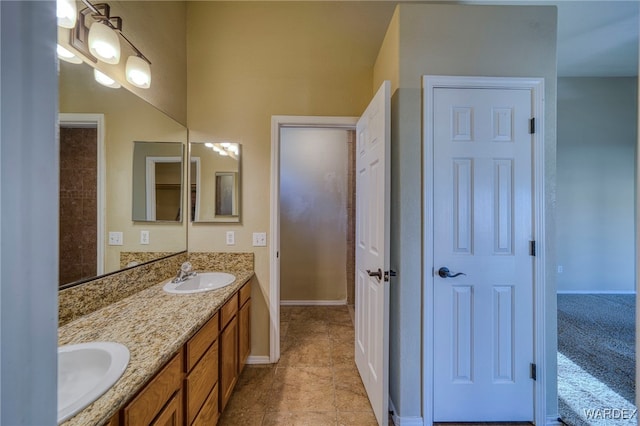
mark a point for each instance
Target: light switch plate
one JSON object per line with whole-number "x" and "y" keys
{"x": 144, "y": 237}
{"x": 115, "y": 239}
{"x": 231, "y": 238}
{"x": 259, "y": 239}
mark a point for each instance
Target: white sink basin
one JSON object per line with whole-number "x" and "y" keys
{"x": 205, "y": 281}
{"x": 85, "y": 372}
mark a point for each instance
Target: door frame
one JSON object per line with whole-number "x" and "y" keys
{"x": 536, "y": 87}
{"x": 278, "y": 122}
{"x": 94, "y": 121}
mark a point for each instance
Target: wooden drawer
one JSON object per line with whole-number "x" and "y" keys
{"x": 201, "y": 381}
{"x": 228, "y": 310}
{"x": 208, "y": 415}
{"x": 146, "y": 406}
{"x": 199, "y": 343}
{"x": 245, "y": 294}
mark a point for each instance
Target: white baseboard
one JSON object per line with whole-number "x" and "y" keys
{"x": 313, "y": 302}
{"x": 403, "y": 421}
{"x": 595, "y": 292}
{"x": 258, "y": 359}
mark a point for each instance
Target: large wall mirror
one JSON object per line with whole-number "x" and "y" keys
{"x": 215, "y": 181}
{"x": 99, "y": 128}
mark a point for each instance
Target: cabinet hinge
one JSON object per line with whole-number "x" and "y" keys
{"x": 532, "y": 248}
{"x": 534, "y": 374}
{"x": 532, "y": 125}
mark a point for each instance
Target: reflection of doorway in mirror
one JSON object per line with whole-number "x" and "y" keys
{"x": 78, "y": 203}
{"x": 82, "y": 197}
{"x": 164, "y": 188}
{"x": 194, "y": 186}
{"x": 225, "y": 188}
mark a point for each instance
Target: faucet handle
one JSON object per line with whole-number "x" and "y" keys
{"x": 186, "y": 267}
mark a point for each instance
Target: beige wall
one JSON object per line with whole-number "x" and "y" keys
{"x": 440, "y": 39}
{"x": 313, "y": 214}
{"x": 127, "y": 119}
{"x": 248, "y": 61}
{"x": 158, "y": 30}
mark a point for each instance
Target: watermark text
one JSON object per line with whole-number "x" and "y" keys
{"x": 610, "y": 413}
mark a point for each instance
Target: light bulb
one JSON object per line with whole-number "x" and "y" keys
{"x": 105, "y": 80}
{"x": 208, "y": 144}
{"x": 223, "y": 153}
{"x": 225, "y": 144}
{"x": 66, "y": 55}
{"x": 138, "y": 72}
{"x": 66, "y": 11}
{"x": 104, "y": 43}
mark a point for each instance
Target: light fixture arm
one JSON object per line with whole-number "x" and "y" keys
{"x": 101, "y": 12}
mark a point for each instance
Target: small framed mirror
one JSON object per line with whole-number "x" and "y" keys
{"x": 157, "y": 181}
{"x": 215, "y": 181}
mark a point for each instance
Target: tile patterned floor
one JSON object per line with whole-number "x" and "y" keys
{"x": 315, "y": 383}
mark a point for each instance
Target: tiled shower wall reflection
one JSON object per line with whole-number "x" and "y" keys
{"x": 78, "y": 208}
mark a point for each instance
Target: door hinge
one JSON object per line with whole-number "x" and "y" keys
{"x": 534, "y": 374}
{"x": 532, "y": 125}
{"x": 532, "y": 248}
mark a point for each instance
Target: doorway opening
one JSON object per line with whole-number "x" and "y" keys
{"x": 596, "y": 272}
{"x": 316, "y": 216}
{"x": 312, "y": 215}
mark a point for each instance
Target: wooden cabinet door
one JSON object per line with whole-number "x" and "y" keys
{"x": 228, "y": 361}
{"x": 244, "y": 329}
{"x": 171, "y": 414}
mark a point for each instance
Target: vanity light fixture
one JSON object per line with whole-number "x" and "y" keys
{"x": 104, "y": 43}
{"x": 67, "y": 56}
{"x": 138, "y": 72}
{"x": 97, "y": 36}
{"x": 66, "y": 12}
{"x": 105, "y": 80}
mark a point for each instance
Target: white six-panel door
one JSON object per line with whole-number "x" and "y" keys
{"x": 372, "y": 250}
{"x": 482, "y": 225}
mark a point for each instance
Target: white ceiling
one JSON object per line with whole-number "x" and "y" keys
{"x": 596, "y": 38}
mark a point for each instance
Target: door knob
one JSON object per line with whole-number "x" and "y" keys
{"x": 444, "y": 272}
{"x": 377, "y": 273}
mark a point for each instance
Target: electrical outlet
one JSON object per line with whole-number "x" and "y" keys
{"x": 115, "y": 239}
{"x": 144, "y": 237}
{"x": 231, "y": 238}
{"x": 259, "y": 239}
{"x": 560, "y": 269}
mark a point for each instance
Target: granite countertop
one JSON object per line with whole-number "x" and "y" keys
{"x": 154, "y": 325}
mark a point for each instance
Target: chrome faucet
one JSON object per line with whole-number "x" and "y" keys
{"x": 184, "y": 273}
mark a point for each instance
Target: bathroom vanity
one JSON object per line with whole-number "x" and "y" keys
{"x": 187, "y": 352}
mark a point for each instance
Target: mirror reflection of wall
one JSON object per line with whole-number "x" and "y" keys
{"x": 157, "y": 181}
{"x": 215, "y": 176}
{"x": 125, "y": 118}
